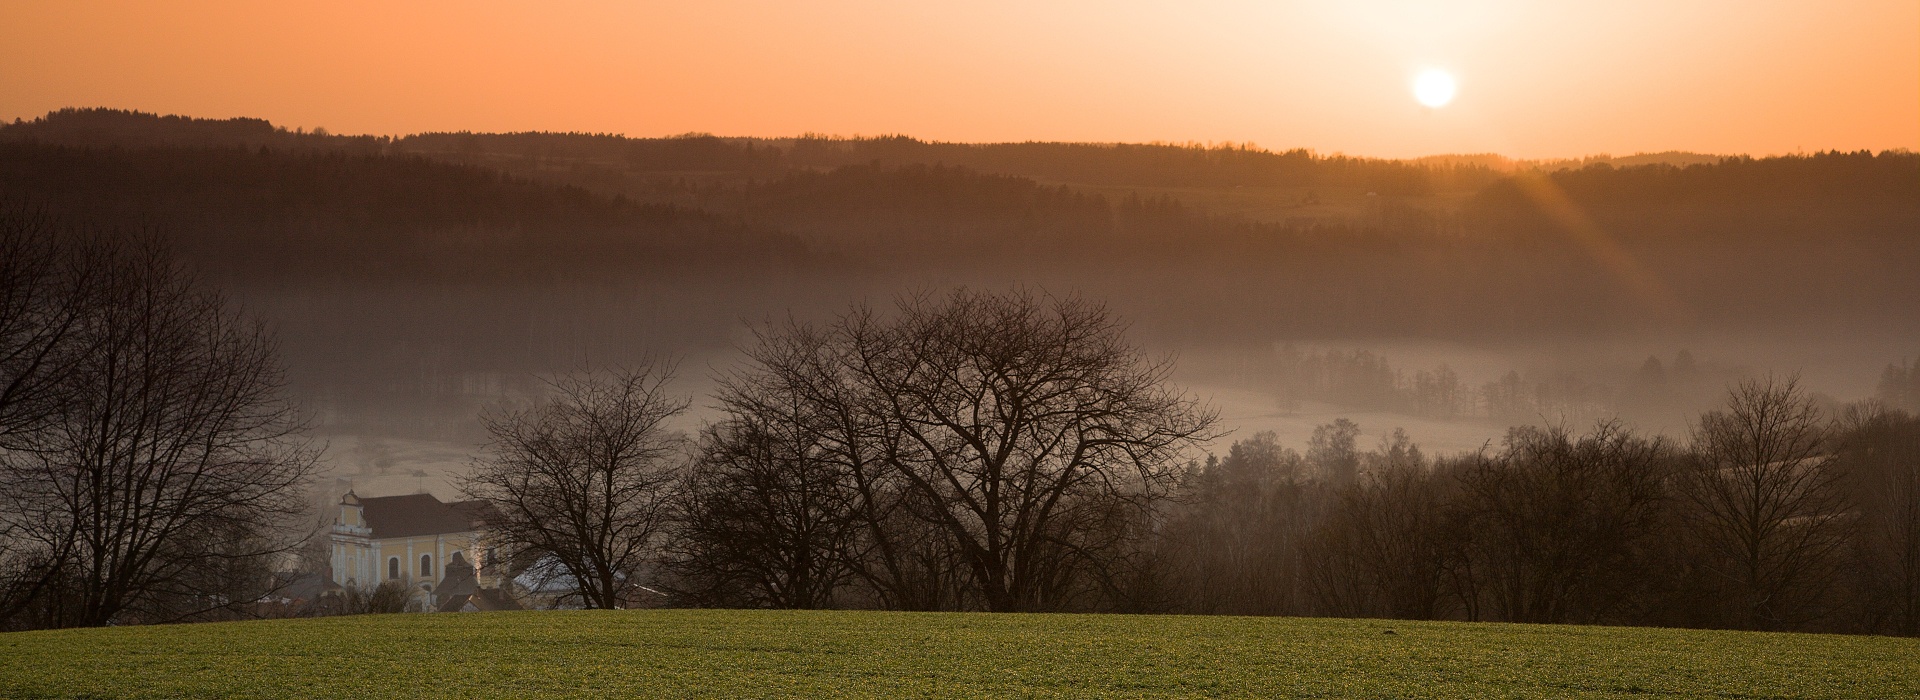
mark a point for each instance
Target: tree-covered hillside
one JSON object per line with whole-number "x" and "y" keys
{"x": 506, "y": 253}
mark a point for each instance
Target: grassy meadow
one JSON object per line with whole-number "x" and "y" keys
{"x": 689, "y": 653}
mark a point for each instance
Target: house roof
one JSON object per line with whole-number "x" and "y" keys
{"x": 418, "y": 514}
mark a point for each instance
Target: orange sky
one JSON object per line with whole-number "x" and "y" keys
{"x": 1539, "y": 79}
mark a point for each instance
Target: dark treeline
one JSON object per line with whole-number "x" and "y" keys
{"x": 1108, "y": 164}
{"x": 104, "y": 128}
{"x": 1161, "y": 165}
{"x": 1771, "y": 516}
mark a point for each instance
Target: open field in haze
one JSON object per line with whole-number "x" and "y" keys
{"x": 686, "y": 653}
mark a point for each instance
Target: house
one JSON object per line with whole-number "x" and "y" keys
{"x": 417, "y": 540}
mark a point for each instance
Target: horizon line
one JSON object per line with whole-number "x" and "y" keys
{"x": 824, "y": 136}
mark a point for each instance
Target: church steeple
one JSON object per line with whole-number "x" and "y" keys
{"x": 351, "y": 514}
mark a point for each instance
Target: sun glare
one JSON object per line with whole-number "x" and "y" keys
{"x": 1433, "y": 87}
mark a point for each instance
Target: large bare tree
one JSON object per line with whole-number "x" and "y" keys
{"x": 167, "y": 475}
{"x": 1767, "y": 504}
{"x": 583, "y": 478}
{"x": 804, "y": 378}
{"x": 1020, "y": 430}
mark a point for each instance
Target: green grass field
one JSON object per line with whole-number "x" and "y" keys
{"x": 865, "y": 654}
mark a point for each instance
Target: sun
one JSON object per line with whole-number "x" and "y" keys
{"x": 1433, "y": 87}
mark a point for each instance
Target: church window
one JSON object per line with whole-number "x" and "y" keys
{"x": 393, "y": 567}
{"x": 426, "y": 565}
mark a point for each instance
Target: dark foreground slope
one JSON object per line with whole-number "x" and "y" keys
{"x": 739, "y": 654}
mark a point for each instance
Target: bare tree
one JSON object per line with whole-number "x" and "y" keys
{"x": 1767, "y": 506}
{"x": 173, "y": 463}
{"x": 805, "y": 377}
{"x": 584, "y": 478}
{"x": 1026, "y": 421}
{"x": 766, "y": 521}
{"x": 1015, "y": 435}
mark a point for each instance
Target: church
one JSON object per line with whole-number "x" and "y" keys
{"x": 436, "y": 548}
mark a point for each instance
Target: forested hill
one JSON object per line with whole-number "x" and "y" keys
{"x": 401, "y": 278}
{"x": 1654, "y": 180}
{"x": 102, "y": 128}
{"x": 1833, "y": 196}
{"x": 266, "y": 216}
{"x": 1105, "y": 164}
{"x": 403, "y": 290}
{"x": 1822, "y": 240}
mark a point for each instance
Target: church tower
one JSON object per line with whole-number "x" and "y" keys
{"x": 352, "y": 557}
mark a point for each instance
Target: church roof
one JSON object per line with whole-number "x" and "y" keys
{"x": 474, "y": 511}
{"x": 418, "y": 514}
